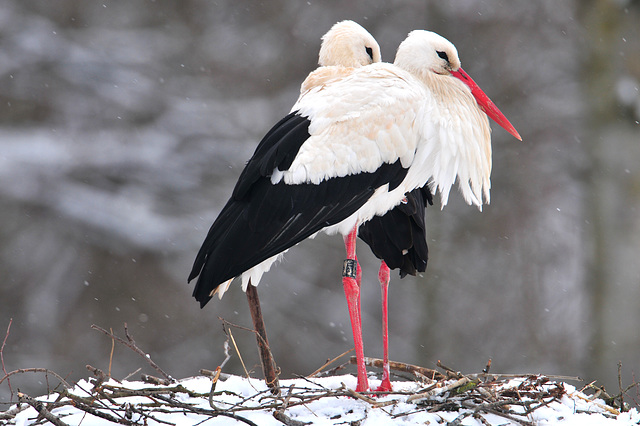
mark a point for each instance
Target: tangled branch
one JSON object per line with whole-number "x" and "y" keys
{"x": 512, "y": 397}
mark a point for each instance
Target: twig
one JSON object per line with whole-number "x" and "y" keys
{"x": 591, "y": 385}
{"x": 306, "y": 399}
{"x": 625, "y": 390}
{"x": 215, "y": 375}
{"x": 496, "y": 376}
{"x": 488, "y": 367}
{"x": 13, "y": 411}
{"x": 543, "y": 403}
{"x": 620, "y": 386}
{"x": 131, "y": 344}
{"x": 329, "y": 362}
{"x": 401, "y": 366}
{"x": 145, "y": 355}
{"x": 451, "y": 373}
{"x": 197, "y": 410}
{"x": 492, "y": 409}
{"x": 121, "y": 391}
{"x": 368, "y": 400}
{"x": 306, "y": 379}
{"x": 604, "y": 407}
{"x": 87, "y": 408}
{"x": 96, "y": 400}
{"x": 155, "y": 380}
{"x": 102, "y": 377}
{"x": 288, "y": 421}
{"x": 458, "y": 420}
{"x": 132, "y": 373}
{"x": 36, "y": 370}
{"x": 635, "y": 383}
{"x": 226, "y": 327}
{"x": 113, "y": 345}
{"x": 481, "y": 419}
{"x": 358, "y": 395}
{"x": 214, "y": 382}
{"x": 41, "y": 409}
{"x": 230, "y": 324}
{"x": 238, "y": 352}
{"x": 145, "y": 415}
{"x": 285, "y": 403}
{"x": 227, "y": 355}
{"x": 428, "y": 393}
{"x": 4, "y": 342}
{"x": 333, "y": 371}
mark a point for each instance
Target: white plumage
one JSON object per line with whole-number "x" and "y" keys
{"x": 410, "y": 110}
{"x": 413, "y": 111}
{"x": 357, "y": 143}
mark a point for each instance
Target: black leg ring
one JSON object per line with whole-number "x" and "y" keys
{"x": 350, "y": 268}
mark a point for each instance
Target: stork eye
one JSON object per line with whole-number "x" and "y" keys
{"x": 369, "y": 52}
{"x": 443, "y": 55}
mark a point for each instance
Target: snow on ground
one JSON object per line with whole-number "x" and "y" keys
{"x": 321, "y": 401}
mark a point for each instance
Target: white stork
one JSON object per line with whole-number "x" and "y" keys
{"x": 398, "y": 237}
{"x": 350, "y": 150}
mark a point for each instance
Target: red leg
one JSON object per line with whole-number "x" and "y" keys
{"x": 359, "y": 282}
{"x": 383, "y": 276}
{"x": 350, "y": 281}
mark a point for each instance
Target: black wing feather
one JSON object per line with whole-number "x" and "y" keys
{"x": 273, "y": 218}
{"x": 264, "y": 155}
{"x": 399, "y": 230}
{"x": 276, "y": 150}
{"x": 262, "y": 220}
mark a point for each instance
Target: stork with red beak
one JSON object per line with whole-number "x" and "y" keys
{"x": 398, "y": 237}
{"x": 351, "y": 150}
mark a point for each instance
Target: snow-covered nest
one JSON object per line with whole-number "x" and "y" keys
{"x": 480, "y": 399}
{"x": 426, "y": 396}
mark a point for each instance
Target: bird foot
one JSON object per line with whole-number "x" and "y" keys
{"x": 385, "y": 386}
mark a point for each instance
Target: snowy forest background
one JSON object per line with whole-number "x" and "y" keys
{"x": 124, "y": 126}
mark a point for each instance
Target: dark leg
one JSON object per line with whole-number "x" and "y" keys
{"x": 266, "y": 358}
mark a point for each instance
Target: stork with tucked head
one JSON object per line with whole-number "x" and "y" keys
{"x": 348, "y": 153}
{"x": 347, "y": 44}
{"x": 398, "y": 237}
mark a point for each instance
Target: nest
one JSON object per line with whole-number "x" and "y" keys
{"x": 422, "y": 396}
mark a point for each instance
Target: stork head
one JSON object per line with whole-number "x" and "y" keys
{"x": 424, "y": 53}
{"x": 427, "y": 52}
{"x": 348, "y": 44}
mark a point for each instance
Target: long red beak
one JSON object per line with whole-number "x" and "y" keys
{"x": 485, "y": 103}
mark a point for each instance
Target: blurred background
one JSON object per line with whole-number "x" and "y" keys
{"x": 124, "y": 126}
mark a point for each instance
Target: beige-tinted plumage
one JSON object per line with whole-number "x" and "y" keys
{"x": 346, "y": 46}
{"x": 413, "y": 110}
